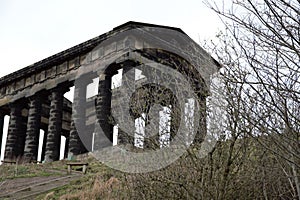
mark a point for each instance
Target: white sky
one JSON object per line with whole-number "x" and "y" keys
{"x": 31, "y": 30}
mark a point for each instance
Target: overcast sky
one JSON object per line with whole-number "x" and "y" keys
{"x": 31, "y": 30}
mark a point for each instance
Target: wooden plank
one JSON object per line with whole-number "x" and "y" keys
{"x": 9, "y": 162}
{"x": 84, "y": 166}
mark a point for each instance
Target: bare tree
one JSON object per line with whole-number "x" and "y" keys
{"x": 257, "y": 154}
{"x": 264, "y": 55}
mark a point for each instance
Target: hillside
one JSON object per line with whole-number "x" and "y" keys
{"x": 235, "y": 169}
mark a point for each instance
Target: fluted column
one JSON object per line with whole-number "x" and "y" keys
{"x": 55, "y": 125}
{"x": 12, "y": 148}
{"x": 33, "y": 129}
{"x": 104, "y": 137}
{"x": 76, "y": 146}
{"x": 126, "y": 136}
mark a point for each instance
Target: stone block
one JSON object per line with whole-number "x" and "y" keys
{"x": 95, "y": 54}
{"x": 129, "y": 42}
{"x": 100, "y": 52}
{"x": 2, "y": 91}
{"x": 10, "y": 88}
{"x": 29, "y": 80}
{"x": 41, "y": 76}
{"x": 90, "y": 120}
{"x": 62, "y": 68}
{"x": 67, "y": 116}
{"x": 66, "y": 125}
{"x": 44, "y": 120}
{"x": 110, "y": 48}
{"x": 138, "y": 44}
{"x": 20, "y": 84}
{"x": 51, "y": 72}
{"x": 74, "y": 63}
{"x": 120, "y": 45}
{"x": 85, "y": 59}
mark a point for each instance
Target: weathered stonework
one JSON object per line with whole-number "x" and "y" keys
{"x": 29, "y": 111}
{"x": 104, "y": 138}
{"x": 33, "y": 128}
{"x": 76, "y": 146}
{"x": 55, "y": 124}
{"x": 14, "y": 135}
{"x": 128, "y": 82}
{"x": 151, "y": 139}
{"x": 202, "y": 126}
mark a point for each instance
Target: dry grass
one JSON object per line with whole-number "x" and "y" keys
{"x": 100, "y": 189}
{"x": 100, "y": 182}
{"x": 23, "y": 171}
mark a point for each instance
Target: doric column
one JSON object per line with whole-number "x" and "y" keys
{"x": 67, "y": 147}
{"x": 176, "y": 112}
{"x": 2, "y": 115}
{"x": 151, "y": 139}
{"x": 202, "y": 126}
{"x": 104, "y": 137}
{"x": 55, "y": 125}
{"x": 74, "y": 141}
{"x": 33, "y": 129}
{"x": 126, "y": 136}
{"x": 12, "y": 148}
{"x": 21, "y": 139}
{"x": 76, "y": 146}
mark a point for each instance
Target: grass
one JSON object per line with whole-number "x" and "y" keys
{"x": 100, "y": 182}
{"x": 24, "y": 171}
{"x": 91, "y": 187}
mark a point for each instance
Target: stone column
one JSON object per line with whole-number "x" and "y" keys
{"x": 126, "y": 136}
{"x": 151, "y": 139}
{"x": 33, "y": 129}
{"x": 2, "y": 115}
{"x": 176, "y": 112}
{"x": 202, "y": 129}
{"x": 21, "y": 139}
{"x": 67, "y": 147}
{"x": 104, "y": 135}
{"x": 55, "y": 125}
{"x": 76, "y": 146}
{"x": 12, "y": 148}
